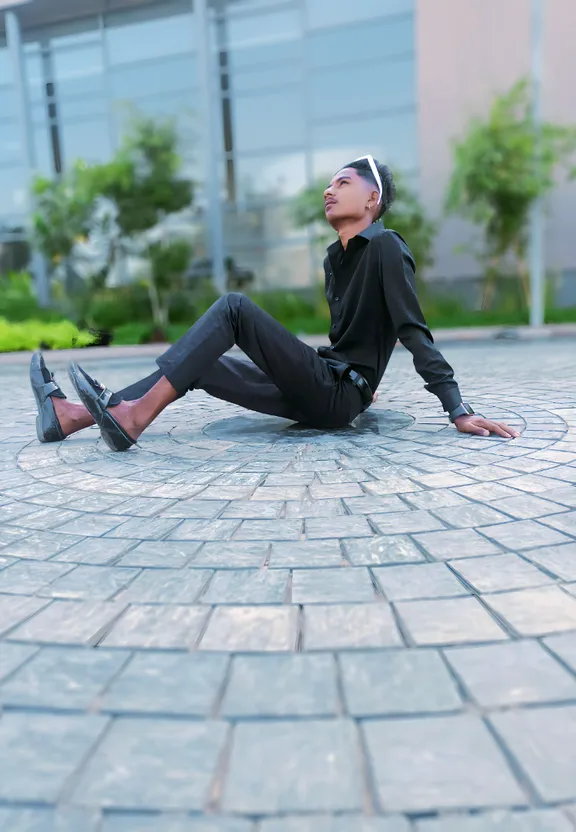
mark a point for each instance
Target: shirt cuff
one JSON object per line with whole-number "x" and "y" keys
{"x": 449, "y": 394}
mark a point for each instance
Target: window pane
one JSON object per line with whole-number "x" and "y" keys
{"x": 392, "y": 140}
{"x": 87, "y": 140}
{"x": 34, "y": 75}
{"x": 78, "y": 71}
{"x": 273, "y": 77}
{"x": 13, "y": 192}
{"x": 150, "y": 39}
{"x": 379, "y": 39}
{"x": 274, "y": 177}
{"x": 91, "y": 107}
{"x": 268, "y": 120}
{"x": 370, "y": 88}
{"x": 245, "y": 32}
{"x": 270, "y": 53}
{"x": 10, "y": 142}
{"x": 43, "y": 149}
{"x": 6, "y": 74}
{"x": 158, "y": 77}
{"x": 8, "y": 108}
{"x": 324, "y": 13}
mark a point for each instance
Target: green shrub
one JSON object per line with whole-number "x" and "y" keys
{"x": 18, "y": 301}
{"x": 31, "y": 335}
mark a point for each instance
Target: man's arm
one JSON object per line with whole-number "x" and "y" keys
{"x": 398, "y": 279}
{"x": 399, "y": 282}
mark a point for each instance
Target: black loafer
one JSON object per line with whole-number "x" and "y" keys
{"x": 95, "y": 398}
{"x": 44, "y": 387}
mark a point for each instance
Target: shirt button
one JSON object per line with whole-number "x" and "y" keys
{"x": 336, "y": 299}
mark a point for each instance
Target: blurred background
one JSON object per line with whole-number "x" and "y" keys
{"x": 156, "y": 154}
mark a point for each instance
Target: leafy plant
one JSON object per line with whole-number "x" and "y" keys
{"x": 501, "y": 166}
{"x": 32, "y": 335}
{"x": 144, "y": 183}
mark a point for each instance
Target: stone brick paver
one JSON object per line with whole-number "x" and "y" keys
{"x": 246, "y": 626}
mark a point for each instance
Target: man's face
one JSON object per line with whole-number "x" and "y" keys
{"x": 348, "y": 196}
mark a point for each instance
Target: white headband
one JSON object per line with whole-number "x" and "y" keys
{"x": 375, "y": 173}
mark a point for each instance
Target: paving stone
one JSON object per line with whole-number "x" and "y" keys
{"x": 536, "y": 612}
{"x": 95, "y": 551}
{"x": 406, "y": 522}
{"x": 302, "y": 554}
{"x": 176, "y": 761}
{"x": 144, "y": 506}
{"x": 173, "y": 823}
{"x": 160, "y": 554}
{"x": 542, "y": 740}
{"x": 15, "y": 609}
{"x": 528, "y": 506}
{"x": 537, "y": 820}
{"x": 343, "y": 489}
{"x": 493, "y": 573}
{"x": 250, "y": 629}
{"x": 173, "y": 683}
{"x": 312, "y": 586}
{"x": 163, "y": 627}
{"x": 269, "y": 530}
{"x": 301, "y": 478}
{"x": 383, "y": 550}
{"x": 524, "y": 534}
{"x": 375, "y": 505}
{"x": 40, "y": 545}
{"x": 285, "y": 685}
{"x": 392, "y": 485}
{"x": 487, "y": 492}
{"x": 232, "y": 555}
{"x": 438, "y": 498}
{"x": 289, "y": 492}
{"x": 68, "y": 678}
{"x": 422, "y": 580}
{"x": 247, "y": 586}
{"x": 69, "y": 622}
{"x": 38, "y": 753}
{"x": 462, "y": 517}
{"x": 460, "y": 543}
{"x": 195, "y": 509}
{"x": 449, "y": 621}
{"x": 565, "y": 522}
{"x": 341, "y": 626}
{"x": 347, "y": 475}
{"x": 567, "y": 473}
{"x": 13, "y": 656}
{"x": 566, "y": 495}
{"x": 564, "y": 646}
{"x": 153, "y": 528}
{"x": 92, "y": 525}
{"x": 166, "y": 586}
{"x": 46, "y": 518}
{"x": 253, "y": 509}
{"x": 379, "y": 683}
{"x": 28, "y": 577}
{"x": 426, "y": 764}
{"x": 90, "y": 582}
{"x": 285, "y": 766}
{"x": 338, "y": 823}
{"x": 314, "y": 508}
{"x": 519, "y": 672}
{"x": 10, "y": 534}
{"x": 560, "y": 560}
{"x": 319, "y": 527}
{"x": 49, "y": 820}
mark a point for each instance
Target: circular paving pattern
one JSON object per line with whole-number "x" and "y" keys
{"x": 277, "y": 629}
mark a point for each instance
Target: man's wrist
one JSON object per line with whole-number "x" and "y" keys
{"x": 463, "y": 409}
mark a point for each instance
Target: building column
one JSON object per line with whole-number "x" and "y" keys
{"x": 212, "y": 143}
{"x": 14, "y": 41}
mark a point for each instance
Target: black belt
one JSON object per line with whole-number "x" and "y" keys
{"x": 362, "y": 385}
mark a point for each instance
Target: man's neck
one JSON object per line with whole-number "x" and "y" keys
{"x": 350, "y": 228}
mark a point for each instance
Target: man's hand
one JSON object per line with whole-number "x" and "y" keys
{"x": 375, "y": 397}
{"x": 484, "y": 427}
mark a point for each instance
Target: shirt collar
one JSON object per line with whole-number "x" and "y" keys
{"x": 373, "y": 230}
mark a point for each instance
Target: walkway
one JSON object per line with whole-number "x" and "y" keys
{"x": 243, "y": 626}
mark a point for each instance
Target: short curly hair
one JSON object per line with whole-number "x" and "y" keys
{"x": 364, "y": 170}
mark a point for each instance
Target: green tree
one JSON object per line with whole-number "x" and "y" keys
{"x": 406, "y": 216}
{"x": 501, "y": 166}
{"x": 62, "y": 217}
{"x": 144, "y": 183}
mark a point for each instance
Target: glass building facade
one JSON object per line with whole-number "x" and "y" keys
{"x": 297, "y": 88}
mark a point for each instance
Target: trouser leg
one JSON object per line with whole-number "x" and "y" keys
{"x": 304, "y": 379}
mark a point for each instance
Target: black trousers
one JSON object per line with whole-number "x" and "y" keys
{"x": 284, "y": 377}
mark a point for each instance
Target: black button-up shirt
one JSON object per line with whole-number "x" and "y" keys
{"x": 371, "y": 292}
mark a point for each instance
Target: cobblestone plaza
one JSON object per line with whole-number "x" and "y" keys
{"x": 243, "y": 625}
